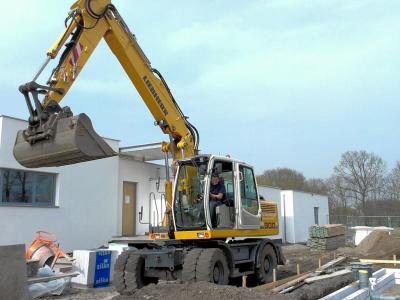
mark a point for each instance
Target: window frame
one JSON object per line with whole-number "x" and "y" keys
{"x": 241, "y": 170}
{"x": 34, "y": 203}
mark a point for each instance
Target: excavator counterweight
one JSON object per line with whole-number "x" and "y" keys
{"x": 62, "y": 141}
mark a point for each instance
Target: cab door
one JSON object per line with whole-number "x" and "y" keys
{"x": 249, "y": 207}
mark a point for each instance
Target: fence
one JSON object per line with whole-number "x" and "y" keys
{"x": 372, "y": 221}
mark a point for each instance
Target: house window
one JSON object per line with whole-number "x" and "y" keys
{"x": 27, "y": 188}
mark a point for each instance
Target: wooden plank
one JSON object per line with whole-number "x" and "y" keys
{"x": 322, "y": 277}
{"x": 380, "y": 261}
{"x": 290, "y": 283}
{"x": 331, "y": 263}
{"x": 50, "y": 278}
{"x": 277, "y": 283}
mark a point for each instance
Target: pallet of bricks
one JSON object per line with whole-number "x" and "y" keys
{"x": 326, "y": 237}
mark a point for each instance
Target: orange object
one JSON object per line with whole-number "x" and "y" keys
{"x": 45, "y": 248}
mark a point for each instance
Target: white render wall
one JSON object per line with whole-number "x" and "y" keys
{"x": 273, "y": 195}
{"x": 88, "y": 198}
{"x": 85, "y": 215}
{"x": 300, "y": 213}
{"x": 145, "y": 175}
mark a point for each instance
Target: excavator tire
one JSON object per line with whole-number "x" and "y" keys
{"x": 268, "y": 261}
{"x": 190, "y": 265}
{"x": 129, "y": 273}
{"x": 119, "y": 271}
{"x": 212, "y": 266}
{"x": 134, "y": 273}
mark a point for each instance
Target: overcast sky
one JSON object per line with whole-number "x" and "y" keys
{"x": 280, "y": 83}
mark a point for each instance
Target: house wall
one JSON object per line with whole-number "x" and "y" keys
{"x": 85, "y": 215}
{"x": 288, "y": 213}
{"x": 145, "y": 175}
{"x": 273, "y": 195}
{"x": 304, "y": 204}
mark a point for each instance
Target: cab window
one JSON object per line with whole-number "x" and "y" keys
{"x": 225, "y": 171}
{"x": 248, "y": 190}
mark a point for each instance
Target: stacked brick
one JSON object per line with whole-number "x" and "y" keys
{"x": 326, "y": 237}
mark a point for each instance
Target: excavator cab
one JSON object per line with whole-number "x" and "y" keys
{"x": 193, "y": 209}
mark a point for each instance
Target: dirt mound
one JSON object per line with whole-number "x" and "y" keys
{"x": 199, "y": 291}
{"x": 378, "y": 244}
{"x": 209, "y": 291}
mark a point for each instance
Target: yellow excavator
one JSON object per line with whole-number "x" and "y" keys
{"x": 201, "y": 243}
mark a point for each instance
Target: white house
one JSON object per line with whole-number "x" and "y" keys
{"x": 297, "y": 212}
{"x": 87, "y": 204}
{"x": 84, "y": 205}
{"x": 300, "y": 211}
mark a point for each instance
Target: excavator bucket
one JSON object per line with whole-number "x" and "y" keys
{"x": 73, "y": 140}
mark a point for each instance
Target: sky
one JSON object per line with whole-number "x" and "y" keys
{"x": 277, "y": 83}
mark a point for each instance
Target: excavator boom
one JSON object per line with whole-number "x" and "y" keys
{"x": 55, "y": 137}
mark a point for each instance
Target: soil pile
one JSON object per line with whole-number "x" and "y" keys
{"x": 378, "y": 244}
{"x": 200, "y": 291}
{"x": 209, "y": 291}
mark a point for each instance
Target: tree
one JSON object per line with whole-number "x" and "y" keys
{"x": 360, "y": 175}
{"x": 317, "y": 186}
{"x": 284, "y": 178}
{"x": 392, "y": 188}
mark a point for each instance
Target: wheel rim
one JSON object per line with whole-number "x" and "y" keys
{"x": 267, "y": 264}
{"x": 218, "y": 272}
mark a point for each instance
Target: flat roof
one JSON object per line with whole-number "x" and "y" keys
{"x": 145, "y": 152}
{"x": 25, "y": 121}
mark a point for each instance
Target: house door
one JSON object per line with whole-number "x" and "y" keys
{"x": 129, "y": 208}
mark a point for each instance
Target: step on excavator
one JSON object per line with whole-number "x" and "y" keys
{"x": 207, "y": 237}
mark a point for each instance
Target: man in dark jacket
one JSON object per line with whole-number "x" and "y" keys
{"x": 217, "y": 196}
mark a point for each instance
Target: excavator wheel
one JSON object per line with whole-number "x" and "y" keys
{"x": 129, "y": 273}
{"x": 212, "y": 266}
{"x": 190, "y": 264}
{"x": 119, "y": 272}
{"x": 268, "y": 262}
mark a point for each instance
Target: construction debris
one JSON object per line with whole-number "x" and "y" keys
{"x": 45, "y": 248}
{"x": 326, "y": 237}
{"x": 48, "y": 282}
{"x": 310, "y": 277}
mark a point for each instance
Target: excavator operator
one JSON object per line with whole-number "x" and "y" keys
{"x": 217, "y": 196}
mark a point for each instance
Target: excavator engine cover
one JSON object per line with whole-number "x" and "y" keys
{"x": 60, "y": 141}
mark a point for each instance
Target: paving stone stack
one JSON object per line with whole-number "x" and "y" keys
{"x": 326, "y": 237}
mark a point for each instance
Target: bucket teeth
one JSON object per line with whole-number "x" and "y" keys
{"x": 72, "y": 140}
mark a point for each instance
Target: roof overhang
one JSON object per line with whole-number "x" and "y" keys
{"x": 147, "y": 152}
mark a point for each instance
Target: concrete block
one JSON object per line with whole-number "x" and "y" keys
{"x": 96, "y": 267}
{"x": 13, "y": 273}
